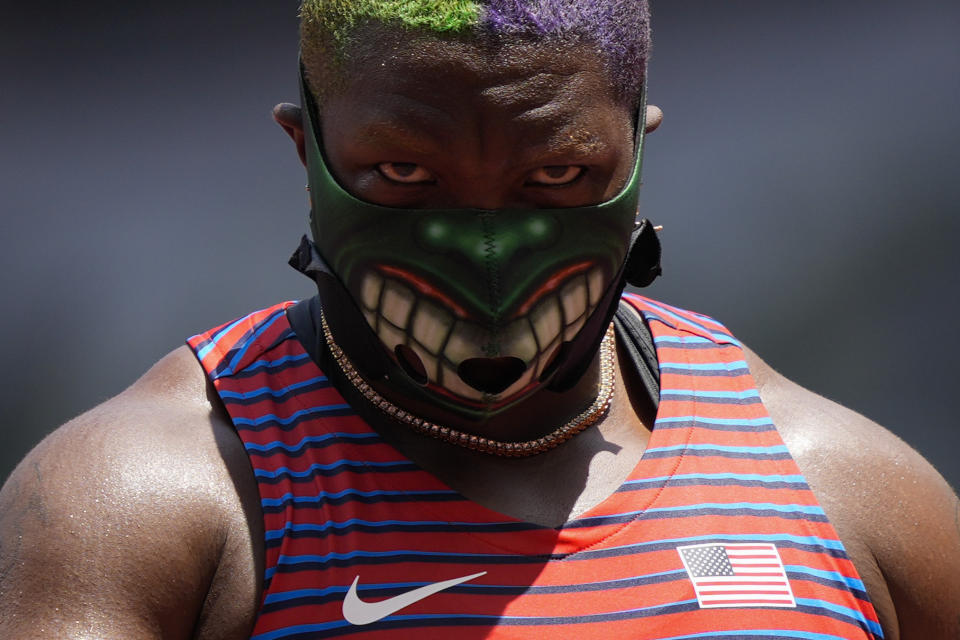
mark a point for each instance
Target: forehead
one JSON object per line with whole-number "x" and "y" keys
{"x": 394, "y": 50}
{"x": 509, "y": 79}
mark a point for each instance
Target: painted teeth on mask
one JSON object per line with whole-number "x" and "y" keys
{"x": 370, "y": 298}
{"x": 394, "y": 312}
{"x": 431, "y": 325}
{"x": 595, "y": 284}
{"x": 573, "y": 297}
{"x": 390, "y": 335}
{"x": 547, "y": 319}
{"x": 370, "y": 292}
{"x": 467, "y": 340}
{"x": 517, "y": 340}
{"x": 397, "y": 303}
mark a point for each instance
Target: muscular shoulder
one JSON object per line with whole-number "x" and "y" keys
{"x": 892, "y": 510}
{"x": 123, "y": 520}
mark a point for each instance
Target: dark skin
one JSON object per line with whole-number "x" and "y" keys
{"x": 140, "y": 519}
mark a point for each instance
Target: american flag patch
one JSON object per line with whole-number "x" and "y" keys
{"x": 737, "y": 575}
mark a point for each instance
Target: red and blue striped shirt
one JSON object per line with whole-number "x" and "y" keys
{"x": 714, "y": 535}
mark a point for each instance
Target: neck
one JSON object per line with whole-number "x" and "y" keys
{"x": 592, "y": 464}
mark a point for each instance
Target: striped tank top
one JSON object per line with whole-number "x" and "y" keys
{"x": 714, "y": 535}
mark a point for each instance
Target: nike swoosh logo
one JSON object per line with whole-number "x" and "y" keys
{"x": 358, "y": 612}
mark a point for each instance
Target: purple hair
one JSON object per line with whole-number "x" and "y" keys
{"x": 619, "y": 28}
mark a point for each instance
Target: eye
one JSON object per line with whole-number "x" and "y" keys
{"x": 556, "y": 175}
{"x": 404, "y": 172}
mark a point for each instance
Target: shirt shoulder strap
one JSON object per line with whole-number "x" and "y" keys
{"x": 633, "y": 333}
{"x": 304, "y": 319}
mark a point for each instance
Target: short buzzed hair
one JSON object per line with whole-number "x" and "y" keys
{"x": 618, "y": 29}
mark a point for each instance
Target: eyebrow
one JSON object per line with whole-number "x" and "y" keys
{"x": 385, "y": 133}
{"x": 566, "y": 146}
{"x": 571, "y": 142}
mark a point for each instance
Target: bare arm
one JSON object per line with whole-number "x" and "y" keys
{"x": 896, "y": 515}
{"x": 125, "y": 522}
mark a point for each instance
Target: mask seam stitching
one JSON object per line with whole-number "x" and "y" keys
{"x": 493, "y": 276}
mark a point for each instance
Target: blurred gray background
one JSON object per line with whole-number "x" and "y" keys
{"x": 806, "y": 174}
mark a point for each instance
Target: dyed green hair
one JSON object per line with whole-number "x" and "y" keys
{"x": 339, "y": 17}
{"x": 620, "y": 29}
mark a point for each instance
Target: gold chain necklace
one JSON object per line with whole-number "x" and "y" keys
{"x": 583, "y": 420}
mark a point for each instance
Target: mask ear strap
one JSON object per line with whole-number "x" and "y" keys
{"x": 347, "y": 323}
{"x": 643, "y": 260}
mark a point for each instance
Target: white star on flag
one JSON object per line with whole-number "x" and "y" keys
{"x": 737, "y": 575}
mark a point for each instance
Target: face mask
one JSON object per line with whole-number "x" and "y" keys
{"x": 472, "y": 310}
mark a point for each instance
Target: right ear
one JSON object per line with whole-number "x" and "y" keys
{"x": 290, "y": 118}
{"x": 653, "y": 118}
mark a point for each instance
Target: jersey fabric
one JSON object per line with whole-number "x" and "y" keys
{"x": 714, "y": 535}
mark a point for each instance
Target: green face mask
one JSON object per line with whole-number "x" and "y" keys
{"x": 472, "y": 310}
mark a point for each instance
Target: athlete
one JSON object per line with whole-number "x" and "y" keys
{"x": 470, "y": 432}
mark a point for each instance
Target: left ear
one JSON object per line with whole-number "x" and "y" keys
{"x": 654, "y": 118}
{"x": 290, "y": 118}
